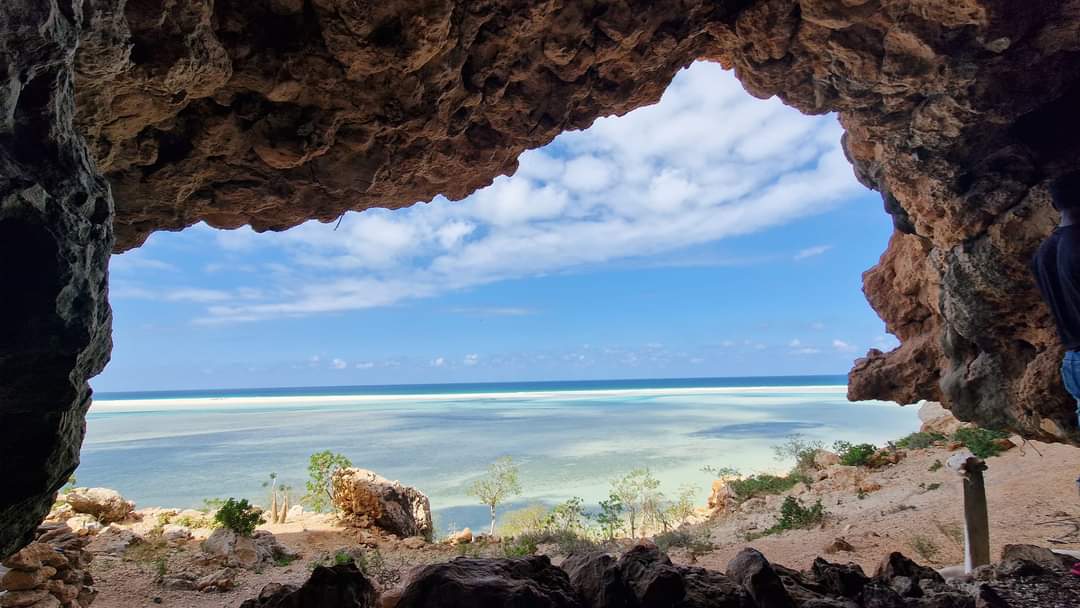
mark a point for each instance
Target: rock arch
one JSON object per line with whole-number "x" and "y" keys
{"x": 130, "y": 117}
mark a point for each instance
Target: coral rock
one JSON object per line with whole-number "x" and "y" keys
{"x": 366, "y": 498}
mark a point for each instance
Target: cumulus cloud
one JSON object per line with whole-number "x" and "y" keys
{"x": 842, "y": 346}
{"x": 707, "y": 162}
{"x": 471, "y": 359}
{"x": 339, "y": 363}
{"x": 438, "y": 362}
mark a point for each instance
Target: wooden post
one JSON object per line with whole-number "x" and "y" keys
{"x": 976, "y": 517}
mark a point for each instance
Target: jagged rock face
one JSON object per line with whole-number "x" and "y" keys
{"x": 55, "y": 239}
{"x": 270, "y": 113}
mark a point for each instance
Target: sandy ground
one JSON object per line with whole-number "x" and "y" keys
{"x": 1027, "y": 487}
{"x": 1032, "y": 494}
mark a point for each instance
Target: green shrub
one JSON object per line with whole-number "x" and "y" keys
{"x": 522, "y": 546}
{"x": 284, "y": 560}
{"x": 565, "y": 541}
{"x": 239, "y": 516}
{"x": 980, "y": 441}
{"x": 795, "y": 516}
{"x": 854, "y": 455}
{"x": 936, "y": 466}
{"x": 527, "y": 519}
{"x": 801, "y": 450}
{"x": 696, "y": 544}
{"x": 343, "y": 558}
{"x": 924, "y": 547}
{"x": 764, "y": 484}
{"x": 920, "y": 440}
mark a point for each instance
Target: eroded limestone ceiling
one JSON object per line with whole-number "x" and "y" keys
{"x": 272, "y": 112}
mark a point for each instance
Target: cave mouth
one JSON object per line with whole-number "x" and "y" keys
{"x": 322, "y": 305}
{"x": 399, "y": 104}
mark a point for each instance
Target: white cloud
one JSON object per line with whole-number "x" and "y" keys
{"x": 438, "y": 362}
{"x": 842, "y": 346}
{"x": 707, "y": 162}
{"x": 811, "y": 252}
{"x": 339, "y": 364}
{"x": 471, "y": 359}
{"x": 795, "y": 343}
{"x": 365, "y": 365}
{"x": 806, "y": 350}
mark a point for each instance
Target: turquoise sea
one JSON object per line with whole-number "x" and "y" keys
{"x": 177, "y": 448}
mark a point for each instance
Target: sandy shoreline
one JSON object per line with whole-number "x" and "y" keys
{"x": 195, "y": 403}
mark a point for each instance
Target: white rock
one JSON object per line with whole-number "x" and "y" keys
{"x": 112, "y": 540}
{"x": 106, "y": 505}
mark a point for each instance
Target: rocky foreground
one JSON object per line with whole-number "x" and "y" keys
{"x": 645, "y": 577}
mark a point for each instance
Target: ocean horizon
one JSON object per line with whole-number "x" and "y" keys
{"x": 571, "y": 438}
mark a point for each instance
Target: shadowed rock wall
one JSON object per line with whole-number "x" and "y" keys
{"x": 55, "y": 239}
{"x": 272, "y": 112}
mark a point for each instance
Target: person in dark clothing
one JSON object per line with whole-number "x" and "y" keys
{"x": 1057, "y": 271}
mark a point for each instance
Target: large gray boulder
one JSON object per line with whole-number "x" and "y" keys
{"x": 365, "y": 498}
{"x": 756, "y": 575}
{"x": 334, "y": 587}
{"x": 235, "y": 550}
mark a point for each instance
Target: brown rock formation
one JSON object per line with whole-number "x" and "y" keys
{"x": 270, "y": 113}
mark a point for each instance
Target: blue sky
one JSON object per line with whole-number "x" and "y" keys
{"x": 712, "y": 234}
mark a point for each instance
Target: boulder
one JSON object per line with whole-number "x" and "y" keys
{"x": 219, "y": 580}
{"x": 18, "y": 599}
{"x": 333, "y": 587}
{"x": 752, "y": 571}
{"x": 1031, "y": 560}
{"x": 231, "y": 548}
{"x": 937, "y": 419}
{"x": 896, "y": 564}
{"x": 179, "y": 582}
{"x": 845, "y": 580}
{"x": 366, "y": 498}
{"x": 722, "y": 499}
{"x": 106, "y": 505}
{"x": 824, "y": 459}
{"x": 112, "y": 540}
{"x": 460, "y": 538}
{"x": 295, "y": 511}
{"x": 529, "y": 582}
{"x": 650, "y": 576}
{"x": 711, "y": 589}
{"x": 238, "y": 551}
{"x": 84, "y": 524}
{"x": 838, "y": 545}
{"x": 597, "y": 578}
{"x": 22, "y": 580}
{"x": 34, "y": 556}
{"x": 175, "y": 533}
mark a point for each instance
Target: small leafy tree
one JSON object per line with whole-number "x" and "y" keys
{"x": 530, "y": 519}
{"x": 500, "y": 483}
{"x": 321, "y": 469}
{"x": 801, "y": 450}
{"x": 239, "y": 516}
{"x": 681, "y": 509}
{"x": 567, "y": 516}
{"x": 610, "y": 517}
{"x": 639, "y": 493}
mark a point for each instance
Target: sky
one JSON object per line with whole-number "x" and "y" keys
{"x": 710, "y": 234}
